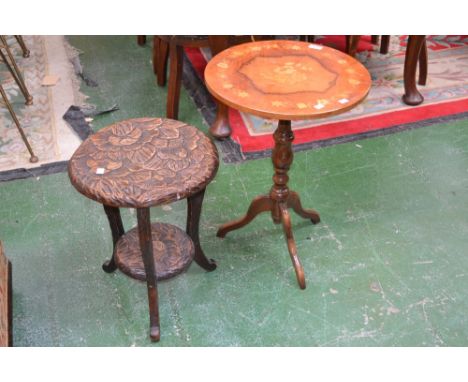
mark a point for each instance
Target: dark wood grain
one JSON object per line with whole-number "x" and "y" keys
{"x": 146, "y": 247}
{"x": 279, "y": 199}
{"x": 423, "y": 64}
{"x": 117, "y": 229}
{"x": 173, "y": 252}
{"x": 194, "y": 207}
{"x": 145, "y": 162}
{"x": 412, "y": 95}
{"x": 174, "y": 44}
{"x": 141, "y": 40}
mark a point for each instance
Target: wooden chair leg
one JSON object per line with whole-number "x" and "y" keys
{"x": 141, "y": 40}
{"x": 160, "y": 58}
{"x": 375, "y": 39}
{"x": 117, "y": 229}
{"x": 423, "y": 64}
{"x": 220, "y": 129}
{"x": 385, "y": 44}
{"x": 352, "y": 44}
{"x": 175, "y": 80}
{"x": 194, "y": 204}
{"x": 413, "y": 49}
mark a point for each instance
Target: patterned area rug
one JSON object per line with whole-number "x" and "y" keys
{"x": 52, "y": 140}
{"x": 383, "y": 112}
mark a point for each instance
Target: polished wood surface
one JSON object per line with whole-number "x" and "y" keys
{"x": 279, "y": 199}
{"x": 5, "y": 300}
{"x": 415, "y": 52}
{"x": 173, "y": 252}
{"x": 143, "y": 162}
{"x": 287, "y": 79}
{"x": 171, "y": 47}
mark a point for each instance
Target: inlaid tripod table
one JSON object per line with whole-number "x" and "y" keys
{"x": 285, "y": 80}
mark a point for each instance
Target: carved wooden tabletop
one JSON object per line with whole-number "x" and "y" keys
{"x": 143, "y": 162}
{"x": 287, "y": 80}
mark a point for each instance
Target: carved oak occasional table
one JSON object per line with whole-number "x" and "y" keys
{"x": 285, "y": 80}
{"x": 140, "y": 163}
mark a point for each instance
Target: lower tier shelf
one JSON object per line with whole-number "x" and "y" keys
{"x": 173, "y": 252}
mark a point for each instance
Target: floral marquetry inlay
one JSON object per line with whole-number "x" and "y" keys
{"x": 288, "y": 74}
{"x": 143, "y": 162}
{"x": 287, "y": 79}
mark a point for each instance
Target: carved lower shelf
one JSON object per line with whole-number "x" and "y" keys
{"x": 173, "y": 252}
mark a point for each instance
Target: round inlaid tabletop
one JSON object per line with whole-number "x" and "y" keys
{"x": 143, "y": 162}
{"x": 287, "y": 80}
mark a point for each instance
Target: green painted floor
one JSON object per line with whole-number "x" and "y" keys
{"x": 387, "y": 266}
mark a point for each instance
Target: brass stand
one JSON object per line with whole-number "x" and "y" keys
{"x": 13, "y": 68}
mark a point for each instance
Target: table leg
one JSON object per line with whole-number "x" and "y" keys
{"x": 117, "y": 229}
{"x": 423, "y": 63}
{"x": 412, "y": 96}
{"x": 194, "y": 204}
{"x": 294, "y": 202}
{"x": 146, "y": 245}
{"x": 220, "y": 128}
{"x": 175, "y": 80}
{"x": 352, "y": 42}
{"x": 279, "y": 199}
{"x": 14, "y": 70}
{"x": 141, "y": 40}
{"x": 286, "y": 220}
{"x": 260, "y": 204}
{"x": 160, "y": 58}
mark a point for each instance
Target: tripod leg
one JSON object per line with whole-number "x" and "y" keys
{"x": 286, "y": 220}
{"x": 294, "y": 202}
{"x": 260, "y": 204}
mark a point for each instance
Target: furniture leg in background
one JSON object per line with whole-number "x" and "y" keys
{"x": 415, "y": 48}
{"x": 143, "y": 177}
{"x": 10, "y": 62}
{"x": 141, "y": 40}
{"x": 33, "y": 158}
{"x": 175, "y": 44}
{"x": 25, "y": 50}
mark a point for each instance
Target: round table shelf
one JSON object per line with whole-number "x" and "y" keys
{"x": 173, "y": 252}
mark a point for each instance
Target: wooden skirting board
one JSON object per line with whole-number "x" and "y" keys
{"x": 5, "y": 300}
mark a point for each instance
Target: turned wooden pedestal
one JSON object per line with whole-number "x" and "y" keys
{"x": 140, "y": 163}
{"x": 285, "y": 80}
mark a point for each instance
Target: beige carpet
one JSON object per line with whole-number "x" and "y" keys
{"x": 49, "y": 135}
